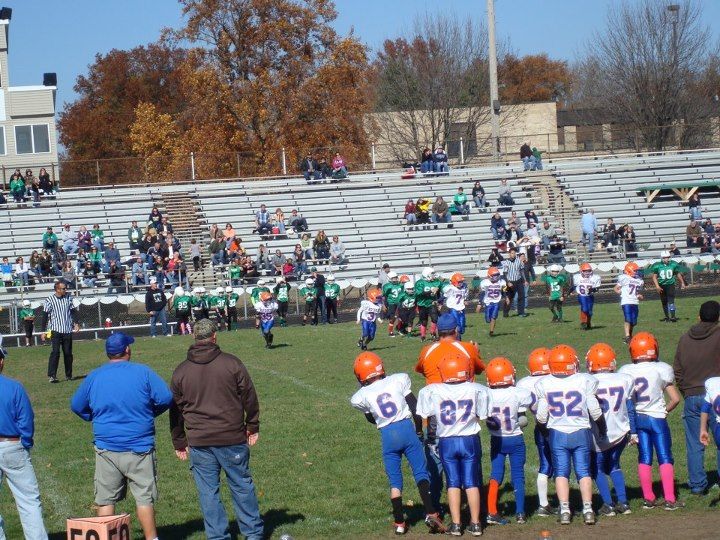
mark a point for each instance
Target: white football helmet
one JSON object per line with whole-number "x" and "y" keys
{"x": 219, "y": 291}
{"x": 309, "y": 281}
{"x": 261, "y": 282}
{"x": 179, "y": 291}
{"x": 665, "y": 255}
{"x": 409, "y": 286}
{"x": 331, "y": 278}
{"x": 428, "y": 272}
{"x": 228, "y": 289}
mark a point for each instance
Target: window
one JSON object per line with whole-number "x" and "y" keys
{"x": 32, "y": 139}
{"x": 2, "y": 141}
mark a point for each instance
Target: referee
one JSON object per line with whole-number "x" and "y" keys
{"x": 62, "y": 317}
{"x": 514, "y": 270}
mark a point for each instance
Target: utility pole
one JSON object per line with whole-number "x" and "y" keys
{"x": 674, "y": 10}
{"x": 494, "y": 94}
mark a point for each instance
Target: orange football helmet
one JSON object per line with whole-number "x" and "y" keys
{"x": 500, "y": 372}
{"x": 586, "y": 269}
{"x": 454, "y": 366}
{"x": 631, "y": 268}
{"x": 493, "y": 273}
{"x": 404, "y": 278}
{"x": 644, "y": 347}
{"x": 538, "y": 362}
{"x": 373, "y": 295}
{"x": 368, "y": 365}
{"x": 457, "y": 278}
{"x": 265, "y": 296}
{"x": 600, "y": 357}
{"x": 563, "y": 360}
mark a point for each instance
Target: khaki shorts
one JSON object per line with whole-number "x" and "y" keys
{"x": 114, "y": 471}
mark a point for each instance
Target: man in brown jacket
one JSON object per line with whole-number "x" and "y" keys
{"x": 214, "y": 420}
{"x": 697, "y": 359}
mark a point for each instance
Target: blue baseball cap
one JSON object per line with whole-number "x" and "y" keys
{"x": 446, "y": 322}
{"x": 117, "y": 343}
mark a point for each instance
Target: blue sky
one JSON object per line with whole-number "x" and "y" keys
{"x": 64, "y": 35}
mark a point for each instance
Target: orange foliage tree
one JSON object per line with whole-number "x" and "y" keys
{"x": 532, "y": 78}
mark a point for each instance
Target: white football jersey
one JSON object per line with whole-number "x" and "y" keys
{"x": 457, "y": 407}
{"x": 528, "y": 383}
{"x": 455, "y": 297}
{"x": 567, "y": 403}
{"x": 368, "y": 311}
{"x": 385, "y": 399}
{"x": 613, "y": 391}
{"x": 266, "y": 310}
{"x": 504, "y": 406}
{"x": 651, "y": 379}
{"x": 583, "y": 285}
{"x": 712, "y": 395}
{"x": 630, "y": 287}
{"x": 493, "y": 290}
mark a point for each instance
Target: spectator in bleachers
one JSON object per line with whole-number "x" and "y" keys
{"x": 629, "y": 239}
{"x": 497, "y": 226}
{"x": 495, "y": 259}
{"x": 337, "y": 251}
{"x": 98, "y": 237}
{"x": 537, "y": 156}
{"x": 46, "y": 263}
{"x": 505, "y": 194}
{"x": 513, "y": 219}
{"x": 196, "y": 255}
{"x": 298, "y": 222}
{"x": 172, "y": 244}
{"x": 154, "y": 218}
{"x": 478, "y": 196}
{"x": 160, "y": 249}
{"x": 422, "y": 210}
{"x": 235, "y": 248}
{"x": 262, "y": 221}
{"x": 588, "y": 224}
{"x": 441, "y": 161}
{"x": 556, "y": 251}
{"x": 134, "y": 236}
{"x": 694, "y": 234}
{"x": 59, "y": 257}
{"x": 116, "y": 278}
{"x": 83, "y": 238}
{"x": 278, "y": 222}
{"x": 278, "y": 261}
{"x": 69, "y": 275}
{"x": 46, "y": 184}
{"x": 22, "y": 271}
{"x": 298, "y": 257}
{"x": 531, "y": 217}
{"x": 147, "y": 243}
{"x": 610, "y": 234}
{"x": 460, "y": 203}
{"x": 546, "y": 233}
{"x": 49, "y": 239}
{"x": 383, "y": 275}
{"x": 95, "y": 258}
{"x": 34, "y": 263}
{"x": 68, "y": 237}
{"x": 28, "y": 182}
{"x": 714, "y": 241}
{"x": 164, "y": 227}
{"x": 321, "y": 246}
{"x": 441, "y": 212}
{"x": 427, "y": 162}
{"x": 263, "y": 259}
{"x": 527, "y": 157}
{"x": 513, "y": 234}
{"x": 235, "y": 272}
{"x": 3, "y": 200}
{"x": 34, "y": 190}
{"x": 306, "y": 244}
{"x": 708, "y": 227}
{"x": 250, "y": 271}
{"x": 532, "y": 233}
{"x": 89, "y": 274}
{"x": 339, "y": 167}
{"x": 157, "y": 269}
{"x": 409, "y": 212}
{"x": 139, "y": 272}
{"x": 217, "y": 252}
{"x": 112, "y": 254}
{"x": 215, "y": 232}
{"x": 695, "y": 206}
{"x": 17, "y": 187}
{"x": 175, "y": 270}
{"x": 228, "y": 234}
{"x": 324, "y": 168}
{"x": 309, "y": 168}
{"x": 673, "y": 249}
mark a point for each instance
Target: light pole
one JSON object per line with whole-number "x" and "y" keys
{"x": 494, "y": 94}
{"x": 674, "y": 10}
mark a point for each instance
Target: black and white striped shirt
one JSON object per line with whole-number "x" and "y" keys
{"x": 513, "y": 269}
{"x": 60, "y": 313}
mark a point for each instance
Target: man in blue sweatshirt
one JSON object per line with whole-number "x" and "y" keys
{"x": 122, "y": 399}
{"x": 17, "y": 427}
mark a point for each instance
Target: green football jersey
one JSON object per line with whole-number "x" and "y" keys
{"x": 391, "y": 292}
{"x": 182, "y": 303}
{"x": 197, "y": 302}
{"x": 282, "y": 292}
{"x": 332, "y": 291}
{"x": 232, "y": 299}
{"x": 308, "y": 293}
{"x": 220, "y": 301}
{"x": 26, "y": 312}
{"x": 555, "y": 284}
{"x": 426, "y": 291}
{"x": 235, "y": 272}
{"x": 407, "y": 300}
{"x": 666, "y": 272}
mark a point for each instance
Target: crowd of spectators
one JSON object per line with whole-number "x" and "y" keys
{"x": 28, "y": 187}
{"x": 608, "y": 236}
{"x": 319, "y": 169}
{"x": 434, "y": 162}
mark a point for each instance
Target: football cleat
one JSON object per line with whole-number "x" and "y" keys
{"x": 606, "y": 511}
{"x": 651, "y": 504}
{"x": 475, "y": 529}
{"x": 589, "y": 517}
{"x": 622, "y": 509}
{"x": 434, "y": 523}
{"x": 454, "y": 530}
{"x": 565, "y": 518}
{"x": 520, "y": 518}
{"x": 496, "y": 519}
{"x": 675, "y": 505}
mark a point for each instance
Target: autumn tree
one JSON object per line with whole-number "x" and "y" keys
{"x": 156, "y": 139}
{"x": 532, "y": 78}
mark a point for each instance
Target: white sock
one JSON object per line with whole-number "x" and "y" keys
{"x": 542, "y": 489}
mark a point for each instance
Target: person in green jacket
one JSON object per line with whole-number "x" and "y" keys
{"x": 27, "y": 316}
{"x": 665, "y": 274}
{"x": 391, "y": 295}
{"x": 49, "y": 239}
{"x": 555, "y": 282}
{"x": 332, "y": 294}
{"x": 309, "y": 293}
{"x": 427, "y": 290}
{"x": 17, "y": 188}
{"x": 460, "y": 204}
{"x": 537, "y": 154}
{"x": 98, "y": 237}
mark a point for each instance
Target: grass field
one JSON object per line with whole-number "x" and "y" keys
{"x": 317, "y": 465}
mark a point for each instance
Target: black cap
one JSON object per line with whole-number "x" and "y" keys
{"x": 710, "y": 311}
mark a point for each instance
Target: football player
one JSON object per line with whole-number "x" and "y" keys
{"x": 367, "y": 315}
{"x": 555, "y": 282}
{"x": 309, "y": 293}
{"x": 663, "y": 275}
{"x": 458, "y": 404}
{"x": 406, "y": 311}
{"x": 197, "y": 304}
{"x": 566, "y": 403}
{"x": 492, "y": 292}
{"x": 181, "y": 305}
{"x": 218, "y": 305}
{"x": 586, "y": 284}
{"x": 455, "y": 294}
{"x": 332, "y": 294}
{"x": 711, "y": 406}
{"x": 265, "y": 308}
{"x": 426, "y": 294}
{"x": 260, "y": 287}
{"x": 653, "y": 380}
{"x": 232, "y": 300}
{"x": 388, "y": 402}
{"x": 614, "y": 393}
{"x": 628, "y": 286}
{"x": 506, "y": 418}
{"x": 282, "y": 297}
{"x": 538, "y": 366}
{"x": 391, "y": 293}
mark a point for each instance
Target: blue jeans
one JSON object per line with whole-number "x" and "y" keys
{"x": 206, "y": 462}
{"x": 697, "y": 478}
{"x": 411, "y": 219}
{"x": 447, "y": 218}
{"x": 427, "y": 166}
{"x": 160, "y": 316}
{"x": 589, "y": 238}
{"x": 695, "y": 213}
{"x": 317, "y": 175}
{"x": 16, "y": 467}
{"x": 480, "y": 203}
